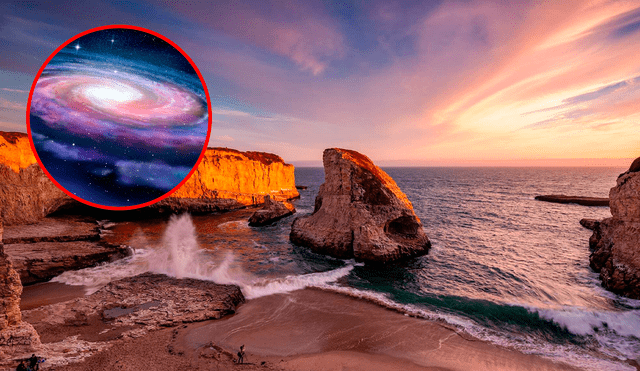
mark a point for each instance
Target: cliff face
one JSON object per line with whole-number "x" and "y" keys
{"x": 10, "y": 290}
{"x": 616, "y": 241}
{"x": 237, "y": 179}
{"x": 226, "y": 179}
{"x": 26, "y": 194}
{"x": 360, "y": 213}
{"x": 15, "y": 335}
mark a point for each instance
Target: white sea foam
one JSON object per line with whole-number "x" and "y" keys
{"x": 617, "y": 332}
{"x": 179, "y": 255}
{"x": 523, "y": 342}
{"x": 582, "y": 321}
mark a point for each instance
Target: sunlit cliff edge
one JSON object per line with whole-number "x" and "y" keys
{"x": 225, "y": 179}
{"x": 15, "y": 151}
{"x": 245, "y": 177}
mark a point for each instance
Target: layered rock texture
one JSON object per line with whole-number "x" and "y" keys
{"x": 271, "y": 212}
{"x": 225, "y": 179}
{"x": 45, "y": 249}
{"x": 148, "y": 300}
{"x": 26, "y": 194}
{"x": 15, "y": 335}
{"x": 360, "y": 213}
{"x": 616, "y": 241}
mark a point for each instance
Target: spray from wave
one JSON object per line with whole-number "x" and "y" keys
{"x": 179, "y": 255}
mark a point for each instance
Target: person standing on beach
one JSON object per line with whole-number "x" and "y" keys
{"x": 241, "y": 354}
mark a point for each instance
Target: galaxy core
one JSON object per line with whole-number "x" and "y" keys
{"x": 118, "y": 117}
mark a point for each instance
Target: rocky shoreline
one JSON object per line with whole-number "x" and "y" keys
{"x": 47, "y": 232}
{"x": 615, "y": 241}
{"x": 46, "y": 249}
{"x": 123, "y": 310}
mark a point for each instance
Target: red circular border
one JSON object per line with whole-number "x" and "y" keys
{"x": 33, "y": 148}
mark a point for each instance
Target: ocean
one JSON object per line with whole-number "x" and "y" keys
{"x": 503, "y": 267}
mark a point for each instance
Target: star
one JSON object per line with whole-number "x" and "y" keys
{"x": 77, "y": 47}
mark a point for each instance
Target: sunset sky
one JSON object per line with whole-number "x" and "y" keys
{"x": 406, "y": 83}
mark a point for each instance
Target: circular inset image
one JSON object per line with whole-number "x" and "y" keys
{"x": 119, "y": 117}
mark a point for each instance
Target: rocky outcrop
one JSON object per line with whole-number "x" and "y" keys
{"x": 591, "y": 224}
{"x": 149, "y": 300}
{"x": 41, "y": 261}
{"x": 45, "y": 249}
{"x": 26, "y": 194}
{"x": 615, "y": 242}
{"x": 226, "y": 179}
{"x": 52, "y": 230}
{"x": 360, "y": 213}
{"x": 579, "y": 200}
{"x": 271, "y": 212}
{"x": 15, "y": 335}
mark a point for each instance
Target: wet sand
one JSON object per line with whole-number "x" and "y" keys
{"x": 316, "y": 330}
{"x": 308, "y": 329}
{"x": 45, "y": 293}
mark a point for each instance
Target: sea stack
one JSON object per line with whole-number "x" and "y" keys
{"x": 360, "y": 213}
{"x": 615, "y": 242}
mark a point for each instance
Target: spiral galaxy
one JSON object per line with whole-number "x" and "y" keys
{"x": 118, "y": 126}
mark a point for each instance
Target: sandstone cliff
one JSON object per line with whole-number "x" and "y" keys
{"x": 225, "y": 179}
{"x": 616, "y": 241}
{"x": 26, "y": 194}
{"x": 360, "y": 213}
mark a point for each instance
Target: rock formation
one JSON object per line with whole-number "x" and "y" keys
{"x": 225, "y": 179}
{"x": 26, "y": 194}
{"x": 41, "y": 261}
{"x": 360, "y": 213}
{"x": 616, "y": 241}
{"x": 16, "y": 336}
{"x": 271, "y": 212}
{"x": 579, "y": 200}
{"x": 149, "y": 300}
{"x": 45, "y": 249}
{"x": 591, "y": 224}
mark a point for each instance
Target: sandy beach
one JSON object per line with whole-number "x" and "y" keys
{"x": 307, "y": 329}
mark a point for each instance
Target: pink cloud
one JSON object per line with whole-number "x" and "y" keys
{"x": 300, "y": 32}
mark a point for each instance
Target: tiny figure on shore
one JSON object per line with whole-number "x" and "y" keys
{"x": 33, "y": 363}
{"x": 241, "y": 354}
{"x": 21, "y": 366}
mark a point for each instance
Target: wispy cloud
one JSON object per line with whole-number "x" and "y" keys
{"x": 224, "y": 138}
{"x": 9, "y": 105}
{"x": 15, "y": 90}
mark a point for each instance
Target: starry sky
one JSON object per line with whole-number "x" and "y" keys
{"x": 433, "y": 83}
